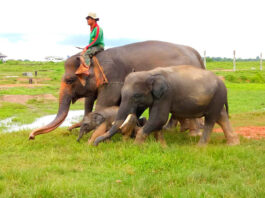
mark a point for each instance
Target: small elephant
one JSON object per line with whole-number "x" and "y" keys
{"x": 102, "y": 120}
{"x": 193, "y": 125}
{"x": 184, "y": 91}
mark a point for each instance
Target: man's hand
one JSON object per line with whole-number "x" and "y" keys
{"x": 84, "y": 50}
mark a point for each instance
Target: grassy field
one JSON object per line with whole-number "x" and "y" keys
{"x": 55, "y": 165}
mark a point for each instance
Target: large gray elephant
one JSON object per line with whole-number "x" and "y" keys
{"x": 117, "y": 63}
{"x": 184, "y": 91}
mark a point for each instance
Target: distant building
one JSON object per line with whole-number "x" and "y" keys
{"x": 54, "y": 58}
{"x": 2, "y": 57}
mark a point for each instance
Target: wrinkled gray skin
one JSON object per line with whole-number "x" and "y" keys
{"x": 117, "y": 63}
{"x": 184, "y": 91}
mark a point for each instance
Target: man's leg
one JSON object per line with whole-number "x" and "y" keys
{"x": 87, "y": 56}
{"x": 92, "y": 52}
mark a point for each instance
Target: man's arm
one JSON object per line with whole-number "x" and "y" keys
{"x": 94, "y": 42}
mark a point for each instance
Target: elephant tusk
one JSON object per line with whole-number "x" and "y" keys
{"x": 129, "y": 117}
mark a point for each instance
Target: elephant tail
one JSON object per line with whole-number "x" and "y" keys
{"x": 226, "y": 107}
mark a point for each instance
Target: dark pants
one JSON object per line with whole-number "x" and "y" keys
{"x": 91, "y": 52}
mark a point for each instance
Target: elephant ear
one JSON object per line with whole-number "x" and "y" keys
{"x": 82, "y": 71}
{"x": 158, "y": 85}
{"x": 98, "y": 118}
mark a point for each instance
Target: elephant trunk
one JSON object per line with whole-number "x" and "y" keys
{"x": 64, "y": 105}
{"x": 118, "y": 125}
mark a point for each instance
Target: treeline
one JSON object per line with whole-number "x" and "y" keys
{"x": 224, "y": 59}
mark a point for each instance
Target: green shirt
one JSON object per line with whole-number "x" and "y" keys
{"x": 96, "y": 37}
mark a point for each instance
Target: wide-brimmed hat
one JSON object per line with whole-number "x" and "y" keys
{"x": 92, "y": 15}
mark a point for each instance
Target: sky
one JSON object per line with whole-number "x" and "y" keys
{"x": 34, "y": 29}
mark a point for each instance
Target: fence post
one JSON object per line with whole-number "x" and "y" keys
{"x": 204, "y": 59}
{"x": 260, "y": 61}
{"x": 234, "y": 61}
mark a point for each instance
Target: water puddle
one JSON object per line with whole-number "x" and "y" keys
{"x": 73, "y": 117}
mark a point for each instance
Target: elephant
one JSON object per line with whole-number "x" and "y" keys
{"x": 117, "y": 63}
{"x": 184, "y": 91}
{"x": 102, "y": 120}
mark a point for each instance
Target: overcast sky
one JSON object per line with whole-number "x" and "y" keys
{"x": 35, "y": 29}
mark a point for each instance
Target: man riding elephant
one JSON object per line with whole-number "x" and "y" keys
{"x": 96, "y": 42}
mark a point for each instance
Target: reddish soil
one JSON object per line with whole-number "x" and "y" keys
{"x": 253, "y": 132}
{"x": 23, "y": 99}
{"x": 6, "y": 86}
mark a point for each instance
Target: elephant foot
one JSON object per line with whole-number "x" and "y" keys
{"x": 125, "y": 138}
{"x": 31, "y": 137}
{"x": 233, "y": 141}
{"x": 202, "y": 142}
{"x": 140, "y": 137}
{"x": 195, "y": 133}
{"x": 160, "y": 138}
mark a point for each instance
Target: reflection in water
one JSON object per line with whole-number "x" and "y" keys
{"x": 73, "y": 116}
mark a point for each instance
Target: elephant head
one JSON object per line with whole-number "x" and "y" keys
{"x": 90, "y": 122}
{"x": 140, "y": 91}
{"x": 71, "y": 90}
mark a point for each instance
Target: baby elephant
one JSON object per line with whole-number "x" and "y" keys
{"x": 184, "y": 91}
{"x": 102, "y": 120}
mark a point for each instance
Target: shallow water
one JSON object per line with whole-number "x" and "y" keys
{"x": 73, "y": 117}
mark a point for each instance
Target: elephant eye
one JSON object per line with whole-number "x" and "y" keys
{"x": 70, "y": 80}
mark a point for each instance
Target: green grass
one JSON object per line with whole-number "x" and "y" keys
{"x": 55, "y": 165}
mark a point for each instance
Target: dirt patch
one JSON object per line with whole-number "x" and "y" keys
{"x": 21, "y": 85}
{"x": 23, "y": 99}
{"x": 250, "y": 132}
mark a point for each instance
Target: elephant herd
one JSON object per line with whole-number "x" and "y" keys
{"x": 163, "y": 77}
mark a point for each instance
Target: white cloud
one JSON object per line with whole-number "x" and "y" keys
{"x": 34, "y": 47}
{"x": 218, "y": 27}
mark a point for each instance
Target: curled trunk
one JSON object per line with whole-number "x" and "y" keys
{"x": 64, "y": 105}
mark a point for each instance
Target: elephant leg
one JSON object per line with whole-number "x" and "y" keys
{"x": 108, "y": 95}
{"x": 100, "y": 130}
{"x": 74, "y": 126}
{"x": 129, "y": 127}
{"x": 157, "y": 119}
{"x": 184, "y": 124}
{"x": 194, "y": 127}
{"x": 223, "y": 121}
{"x": 159, "y": 136}
{"x": 89, "y": 103}
{"x": 172, "y": 123}
{"x": 208, "y": 127}
{"x": 140, "y": 136}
